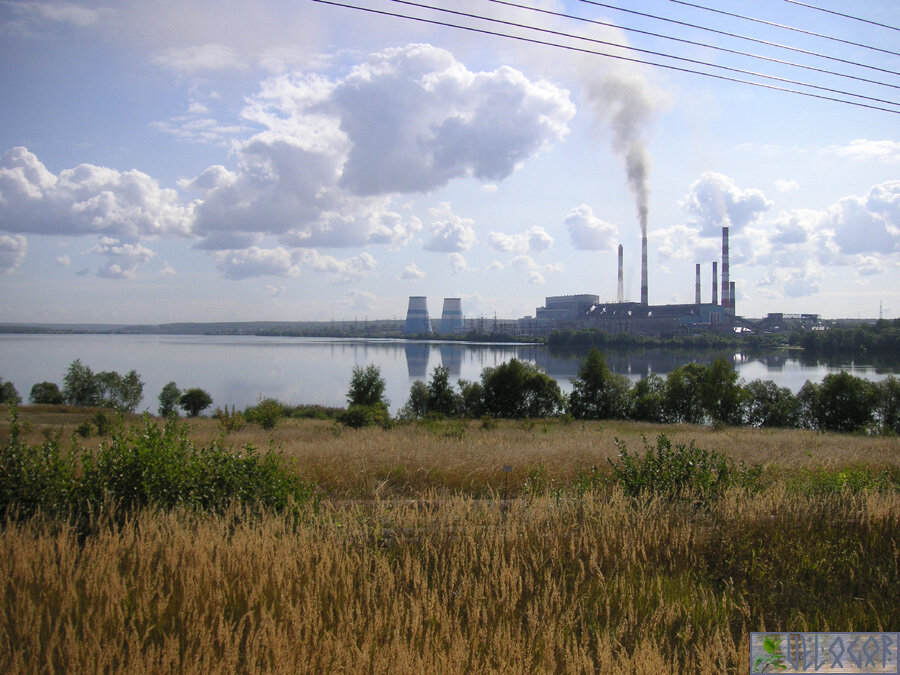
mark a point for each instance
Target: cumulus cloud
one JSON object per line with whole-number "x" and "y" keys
{"x": 12, "y": 252}
{"x": 123, "y": 258}
{"x": 533, "y": 240}
{"x": 786, "y": 185}
{"x": 334, "y": 152}
{"x": 535, "y": 273}
{"x": 495, "y": 266}
{"x": 281, "y": 262}
{"x": 869, "y": 224}
{"x": 411, "y": 273}
{"x": 86, "y": 199}
{"x": 198, "y": 59}
{"x": 715, "y": 201}
{"x": 458, "y": 264}
{"x": 862, "y": 150}
{"x": 275, "y": 291}
{"x": 587, "y": 232}
{"x": 62, "y": 261}
{"x": 167, "y": 270}
{"x": 681, "y": 242}
{"x": 449, "y": 232}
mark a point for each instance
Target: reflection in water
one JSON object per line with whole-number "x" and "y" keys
{"x": 452, "y": 358}
{"x": 417, "y": 359}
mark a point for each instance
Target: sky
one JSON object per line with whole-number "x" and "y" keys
{"x": 178, "y": 160}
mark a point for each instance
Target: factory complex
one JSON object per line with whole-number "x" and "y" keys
{"x": 586, "y": 312}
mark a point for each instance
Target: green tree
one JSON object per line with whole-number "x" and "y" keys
{"x": 366, "y": 386}
{"x": 417, "y": 404}
{"x": 194, "y": 401}
{"x": 683, "y": 401}
{"x": 441, "y": 397}
{"x": 168, "y": 400}
{"x": 721, "y": 393}
{"x": 768, "y": 405}
{"x": 472, "y": 396}
{"x": 8, "y": 393}
{"x": 597, "y": 392}
{"x": 846, "y": 402}
{"x": 80, "y": 386}
{"x": 888, "y": 407}
{"x": 520, "y": 389}
{"x": 648, "y": 399}
{"x": 47, "y": 393}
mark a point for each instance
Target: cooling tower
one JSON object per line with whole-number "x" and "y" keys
{"x": 644, "y": 293}
{"x": 726, "y": 285}
{"x": 417, "y": 320}
{"x": 452, "y": 316}
{"x": 715, "y": 283}
{"x": 697, "y": 286}
{"x": 621, "y": 295}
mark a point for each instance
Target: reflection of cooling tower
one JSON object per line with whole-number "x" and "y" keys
{"x": 621, "y": 296}
{"x": 417, "y": 321}
{"x": 452, "y": 357}
{"x": 726, "y": 285}
{"x": 417, "y": 359}
{"x": 452, "y": 316}
{"x": 715, "y": 284}
{"x": 697, "y": 286}
{"x": 644, "y": 292}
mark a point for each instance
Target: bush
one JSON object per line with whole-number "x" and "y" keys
{"x": 267, "y": 413}
{"x": 46, "y": 393}
{"x": 366, "y": 387}
{"x": 888, "y": 407}
{"x": 8, "y": 393}
{"x": 683, "y": 398}
{"x": 768, "y": 405}
{"x": 648, "y": 399}
{"x": 230, "y": 421}
{"x": 358, "y": 416}
{"x": 519, "y": 389}
{"x": 597, "y": 392}
{"x": 842, "y": 402}
{"x": 682, "y": 472}
{"x": 194, "y": 401}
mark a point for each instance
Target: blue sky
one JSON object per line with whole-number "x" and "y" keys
{"x": 221, "y": 161}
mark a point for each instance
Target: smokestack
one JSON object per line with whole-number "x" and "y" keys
{"x": 731, "y": 297}
{"x": 644, "y": 300}
{"x": 715, "y": 283}
{"x": 697, "y": 286}
{"x": 621, "y": 295}
{"x": 726, "y": 284}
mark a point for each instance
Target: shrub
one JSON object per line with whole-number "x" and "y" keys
{"x": 230, "y": 421}
{"x": 80, "y": 387}
{"x": 648, "y": 399}
{"x": 267, "y": 413}
{"x": 46, "y": 393}
{"x": 366, "y": 387}
{"x": 842, "y": 402}
{"x": 519, "y": 389}
{"x": 768, "y": 405}
{"x": 721, "y": 393}
{"x": 682, "y": 472}
{"x": 358, "y": 416}
{"x": 168, "y": 400}
{"x": 597, "y": 392}
{"x": 888, "y": 406}
{"x": 194, "y": 401}
{"x": 683, "y": 398}
{"x": 8, "y": 393}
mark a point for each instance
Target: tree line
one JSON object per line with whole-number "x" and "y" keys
{"x": 693, "y": 394}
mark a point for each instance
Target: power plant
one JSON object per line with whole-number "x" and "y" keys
{"x": 417, "y": 319}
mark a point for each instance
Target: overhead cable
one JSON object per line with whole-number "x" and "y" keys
{"x": 607, "y": 43}
{"x": 737, "y": 36}
{"x": 581, "y": 50}
{"x": 846, "y": 16}
{"x": 694, "y": 43}
{"x": 773, "y": 24}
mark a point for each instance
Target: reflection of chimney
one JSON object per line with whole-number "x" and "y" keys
{"x": 726, "y": 285}
{"x": 621, "y": 295}
{"x": 715, "y": 284}
{"x": 731, "y": 298}
{"x": 644, "y": 300}
{"x": 697, "y": 287}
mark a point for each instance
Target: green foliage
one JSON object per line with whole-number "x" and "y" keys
{"x": 887, "y": 395}
{"x": 435, "y": 397}
{"x": 519, "y": 389}
{"x": 366, "y": 387}
{"x": 168, "y": 400}
{"x": 648, "y": 399}
{"x": 102, "y": 423}
{"x": 682, "y": 472}
{"x": 46, "y": 393}
{"x": 267, "y": 413}
{"x": 472, "y": 394}
{"x": 109, "y": 389}
{"x": 850, "y": 479}
{"x": 230, "y": 420}
{"x": 416, "y": 405}
{"x": 597, "y": 392}
{"x": 842, "y": 402}
{"x": 142, "y": 465}
{"x": 768, "y": 405}
{"x": 8, "y": 393}
{"x": 80, "y": 386}
{"x": 721, "y": 393}
{"x": 683, "y": 398}
{"x": 358, "y": 416}
{"x": 315, "y": 412}
{"x": 883, "y": 336}
{"x": 194, "y": 401}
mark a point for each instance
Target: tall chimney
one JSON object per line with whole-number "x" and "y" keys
{"x": 715, "y": 284}
{"x": 697, "y": 286}
{"x": 726, "y": 284}
{"x": 644, "y": 300}
{"x": 621, "y": 295}
{"x": 731, "y": 297}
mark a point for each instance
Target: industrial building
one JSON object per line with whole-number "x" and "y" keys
{"x": 452, "y": 317}
{"x": 417, "y": 320}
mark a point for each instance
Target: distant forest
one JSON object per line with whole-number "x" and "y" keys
{"x": 882, "y": 337}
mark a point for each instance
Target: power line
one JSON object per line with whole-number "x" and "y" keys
{"x": 581, "y": 50}
{"x": 694, "y": 43}
{"x": 651, "y": 52}
{"x": 846, "y": 16}
{"x": 782, "y": 26}
{"x": 737, "y": 36}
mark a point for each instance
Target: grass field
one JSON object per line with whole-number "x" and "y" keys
{"x": 413, "y": 561}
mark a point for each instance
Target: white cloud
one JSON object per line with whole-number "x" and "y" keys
{"x": 786, "y": 185}
{"x": 681, "y": 242}
{"x": 360, "y": 300}
{"x": 715, "y": 202}
{"x": 86, "y": 199}
{"x": 536, "y": 273}
{"x": 198, "y": 59}
{"x": 12, "y": 252}
{"x": 275, "y": 291}
{"x": 587, "y": 232}
{"x": 62, "y": 261}
{"x": 869, "y": 224}
{"x": 533, "y": 240}
{"x": 862, "y": 150}
{"x": 123, "y": 258}
{"x": 167, "y": 270}
{"x": 449, "y": 232}
{"x": 58, "y": 12}
{"x": 495, "y": 266}
{"x": 411, "y": 272}
{"x": 281, "y": 262}
{"x": 458, "y": 264}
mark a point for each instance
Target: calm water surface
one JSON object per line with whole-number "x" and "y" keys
{"x": 237, "y": 370}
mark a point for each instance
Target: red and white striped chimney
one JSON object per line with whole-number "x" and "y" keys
{"x": 726, "y": 284}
